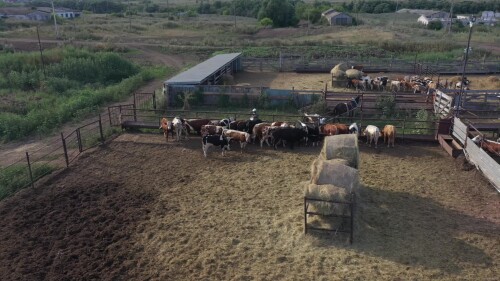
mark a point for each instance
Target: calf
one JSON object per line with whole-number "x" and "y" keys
{"x": 242, "y": 137}
{"x": 372, "y": 133}
{"x": 341, "y": 128}
{"x": 313, "y": 134}
{"x": 214, "y": 140}
{"x": 488, "y": 145}
{"x": 166, "y": 126}
{"x": 267, "y": 134}
{"x": 354, "y": 129}
{"x": 389, "y": 133}
{"x": 290, "y": 135}
{"x": 180, "y": 128}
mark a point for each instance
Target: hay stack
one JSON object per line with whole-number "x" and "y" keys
{"x": 354, "y": 73}
{"x": 341, "y": 147}
{"x": 328, "y": 192}
{"x": 334, "y": 172}
{"x": 339, "y": 70}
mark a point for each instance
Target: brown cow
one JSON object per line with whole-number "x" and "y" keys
{"x": 242, "y": 137}
{"x": 166, "y": 127}
{"x": 389, "y": 133}
{"x": 328, "y": 129}
{"x": 195, "y": 124}
{"x": 342, "y": 128}
{"x": 488, "y": 145}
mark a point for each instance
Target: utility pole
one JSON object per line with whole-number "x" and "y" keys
{"x": 451, "y": 16}
{"x": 395, "y": 12}
{"x": 55, "y": 20}
{"x": 234, "y": 13}
{"x": 460, "y": 94}
{"x": 41, "y": 53}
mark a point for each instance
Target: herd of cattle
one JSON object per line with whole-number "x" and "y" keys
{"x": 416, "y": 84}
{"x": 310, "y": 131}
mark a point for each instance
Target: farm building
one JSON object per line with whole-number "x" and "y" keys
{"x": 40, "y": 14}
{"x": 489, "y": 17}
{"x": 336, "y": 18}
{"x": 209, "y": 72}
{"x": 427, "y": 17}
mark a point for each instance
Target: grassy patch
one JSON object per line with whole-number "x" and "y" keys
{"x": 16, "y": 177}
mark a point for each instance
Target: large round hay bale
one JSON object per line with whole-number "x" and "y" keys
{"x": 328, "y": 192}
{"x": 334, "y": 172}
{"x": 354, "y": 73}
{"x": 337, "y": 73}
{"x": 341, "y": 66}
{"x": 341, "y": 147}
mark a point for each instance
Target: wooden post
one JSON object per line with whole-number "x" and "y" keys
{"x": 305, "y": 215}
{"x": 352, "y": 216}
{"x": 100, "y": 129}
{"x": 135, "y": 111}
{"x": 65, "y": 150}
{"x": 109, "y": 115}
{"x": 154, "y": 100}
{"x": 79, "y": 139}
{"x": 29, "y": 169}
{"x": 404, "y": 126}
{"x": 135, "y": 100}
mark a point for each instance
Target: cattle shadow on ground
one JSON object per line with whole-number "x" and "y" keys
{"x": 414, "y": 231}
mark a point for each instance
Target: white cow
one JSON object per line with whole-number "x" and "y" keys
{"x": 372, "y": 133}
{"x": 179, "y": 128}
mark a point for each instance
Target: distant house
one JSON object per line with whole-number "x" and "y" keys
{"x": 40, "y": 14}
{"x": 489, "y": 18}
{"x": 60, "y": 12}
{"x": 427, "y": 17}
{"x": 336, "y": 18}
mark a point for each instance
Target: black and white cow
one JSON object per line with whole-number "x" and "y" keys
{"x": 290, "y": 135}
{"x": 214, "y": 140}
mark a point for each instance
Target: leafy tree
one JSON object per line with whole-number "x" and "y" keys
{"x": 281, "y": 12}
{"x": 266, "y": 22}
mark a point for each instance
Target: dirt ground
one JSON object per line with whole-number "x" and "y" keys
{"x": 142, "y": 209}
{"x": 316, "y": 81}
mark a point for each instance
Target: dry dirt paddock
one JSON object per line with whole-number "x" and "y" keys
{"x": 316, "y": 81}
{"x": 140, "y": 209}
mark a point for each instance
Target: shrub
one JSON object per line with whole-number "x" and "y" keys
{"x": 386, "y": 105}
{"x": 266, "y": 22}
{"x": 435, "y": 25}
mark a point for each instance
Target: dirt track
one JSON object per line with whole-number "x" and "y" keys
{"x": 140, "y": 209}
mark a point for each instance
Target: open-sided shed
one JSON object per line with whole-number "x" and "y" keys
{"x": 209, "y": 72}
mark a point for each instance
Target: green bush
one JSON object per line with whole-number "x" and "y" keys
{"x": 435, "y": 25}
{"x": 386, "y": 105}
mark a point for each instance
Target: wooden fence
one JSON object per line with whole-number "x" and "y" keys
{"x": 476, "y": 155}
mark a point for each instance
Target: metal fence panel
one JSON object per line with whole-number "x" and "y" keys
{"x": 483, "y": 162}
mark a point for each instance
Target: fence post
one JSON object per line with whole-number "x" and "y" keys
{"x": 135, "y": 111}
{"x": 109, "y": 115}
{"x": 100, "y": 129}
{"x": 134, "y": 100}
{"x": 404, "y": 126}
{"x": 79, "y": 139}
{"x": 154, "y": 100}
{"x": 29, "y": 169}
{"x": 65, "y": 150}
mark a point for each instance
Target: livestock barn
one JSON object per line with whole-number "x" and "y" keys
{"x": 209, "y": 72}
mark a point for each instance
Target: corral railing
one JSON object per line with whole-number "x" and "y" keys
{"x": 475, "y": 154}
{"x": 145, "y": 100}
{"x": 290, "y": 62}
{"x": 52, "y": 156}
{"x": 474, "y": 103}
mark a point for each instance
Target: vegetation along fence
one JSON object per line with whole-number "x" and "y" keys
{"x": 55, "y": 155}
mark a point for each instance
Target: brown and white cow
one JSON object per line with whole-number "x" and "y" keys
{"x": 257, "y": 131}
{"x": 211, "y": 130}
{"x": 389, "y": 134}
{"x": 267, "y": 134}
{"x": 242, "y": 137}
{"x": 488, "y": 145}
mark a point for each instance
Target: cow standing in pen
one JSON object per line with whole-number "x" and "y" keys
{"x": 214, "y": 140}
